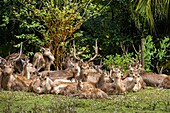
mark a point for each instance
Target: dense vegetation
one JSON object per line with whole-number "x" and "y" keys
{"x": 119, "y": 26}
{"x": 150, "y": 100}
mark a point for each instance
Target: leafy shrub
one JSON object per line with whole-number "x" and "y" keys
{"x": 118, "y": 60}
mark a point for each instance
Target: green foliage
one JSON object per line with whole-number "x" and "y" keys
{"x": 159, "y": 54}
{"x": 149, "y": 52}
{"x": 163, "y": 49}
{"x": 151, "y": 12}
{"x": 118, "y": 61}
{"x": 42, "y": 23}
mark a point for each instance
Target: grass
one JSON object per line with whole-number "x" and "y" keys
{"x": 150, "y": 100}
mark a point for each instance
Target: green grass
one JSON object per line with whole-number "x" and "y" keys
{"x": 149, "y": 100}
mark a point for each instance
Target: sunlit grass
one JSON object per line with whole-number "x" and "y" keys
{"x": 149, "y": 100}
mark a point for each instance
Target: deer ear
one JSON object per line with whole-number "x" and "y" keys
{"x": 42, "y": 49}
{"x": 51, "y": 47}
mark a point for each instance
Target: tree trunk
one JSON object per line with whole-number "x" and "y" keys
{"x": 142, "y": 51}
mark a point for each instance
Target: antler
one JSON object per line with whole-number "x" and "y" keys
{"x": 96, "y": 53}
{"x": 20, "y": 53}
{"x": 74, "y": 49}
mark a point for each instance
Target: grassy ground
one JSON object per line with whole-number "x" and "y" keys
{"x": 149, "y": 100}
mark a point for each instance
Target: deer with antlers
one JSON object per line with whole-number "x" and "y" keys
{"x": 17, "y": 60}
{"x": 85, "y": 66}
{"x": 9, "y": 80}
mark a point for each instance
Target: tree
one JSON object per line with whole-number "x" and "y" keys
{"x": 54, "y": 22}
{"x": 151, "y": 17}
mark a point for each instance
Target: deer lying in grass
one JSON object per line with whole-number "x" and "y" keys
{"x": 67, "y": 74}
{"x": 81, "y": 89}
{"x": 43, "y": 60}
{"x": 150, "y": 78}
{"x": 41, "y": 85}
{"x": 9, "y": 80}
{"x": 126, "y": 85}
{"x": 134, "y": 71}
{"x": 97, "y": 77}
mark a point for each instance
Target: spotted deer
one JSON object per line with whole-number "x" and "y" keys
{"x": 81, "y": 89}
{"x": 9, "y": 80}
{"x": 17, "y": 60}
{"x": 41, "y": 85}
{"x": 28, "y": 69}
{"x": 126, "y": 85}
{"x": 85, "y": 65}
{"x": 43, "y": 59}
{"x": 71, "y": 73}
{"x": 150, "y": 78}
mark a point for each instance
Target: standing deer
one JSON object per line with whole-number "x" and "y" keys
{"x": 85, "y": 66}
{"x": 43, "y": 60}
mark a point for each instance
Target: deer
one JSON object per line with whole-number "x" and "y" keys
{"x": 85, "y": 66}
{"x": 17, "y": 59}
{"x": 126, "y": 85}
{"x": 41, "y": 85}
{"x": 150, "y": 78}
{"x": 8, "y": 79}
{"x": 28, "y": 69}
{"x": 85, "y": 90}
{"x": 43, "y": 59}
{"x": 72, "y": 73}
{"x": 98, "y": 78}
{"x": 134, "y": 71}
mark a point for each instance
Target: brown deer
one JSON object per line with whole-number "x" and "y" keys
{"x": 8, "y": 79}
{"x": 41, "y": 85}
{"x": 28, "y": 69}
{"x": 44, "y": 59}
{"x": 17, "y": 60}
{"x": 123, "y": 86}
{"x": 69, "y": 74}
{"x": 85, "y": 66}
{"x": 88, "y": 91}
{"x": 134, "y": 71}
{"x": 150, "y": 78}
{"x": 81, "y": 89}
